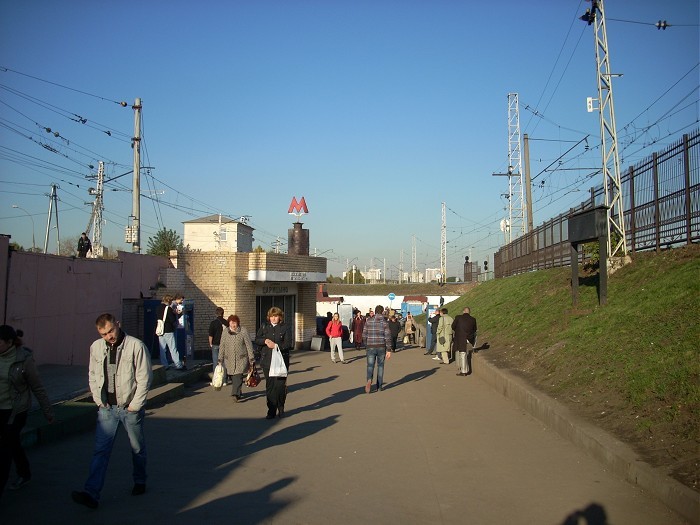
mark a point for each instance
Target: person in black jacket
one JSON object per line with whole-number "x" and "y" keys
{"x": 167, "y": 340}
{"x": 434, "y": 320}
{"x": 275, "y": 332}
{"x": 84, "y": 245}
{"x": 464, "y": 340}
{"x": 394, "y": 328}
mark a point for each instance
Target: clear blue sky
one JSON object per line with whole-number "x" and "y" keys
{"x": 375, "y": 111}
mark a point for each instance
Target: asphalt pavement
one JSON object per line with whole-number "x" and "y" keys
{"x": 432, "y": 448}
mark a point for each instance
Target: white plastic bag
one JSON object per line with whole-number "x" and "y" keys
{"x": 217, "y": 378}
{"x": 277, "y": 366}
{"x": 160, "y": 327}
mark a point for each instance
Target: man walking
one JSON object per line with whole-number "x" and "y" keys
{"x": 377, "y": 337}
{"x": 119, "y": 375}
{"x": 464, "y": 327}
{"x": 215, "y": 328}
{"x": 434, "y": 320}
{"x": 84, "y": 245}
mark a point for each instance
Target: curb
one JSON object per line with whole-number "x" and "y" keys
{"x": 611, "y": 452}
{"x": 77, "y": 415}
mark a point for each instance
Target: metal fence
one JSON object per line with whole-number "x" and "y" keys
{"x": 661, "y": 209}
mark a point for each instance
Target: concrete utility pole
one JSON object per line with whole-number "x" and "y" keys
{"x": 528, "y": 183}
{"x": 53, "y": 203}
{"x": 401, "y": 267}
{"x": 612, "y": 185}
{"x": 136, "y": 191}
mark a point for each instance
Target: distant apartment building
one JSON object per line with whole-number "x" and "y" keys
{"x": 431, "y": 274}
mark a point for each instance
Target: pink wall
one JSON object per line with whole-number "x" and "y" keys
{"x": 56, "y": 299}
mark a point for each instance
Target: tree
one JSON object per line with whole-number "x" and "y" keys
{"x": 259, "y": 249}
{"x": 68, "y": 247}
{"x": 164, "y": 241}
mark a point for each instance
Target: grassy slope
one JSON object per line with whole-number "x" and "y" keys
{"x": 635, "y": 359}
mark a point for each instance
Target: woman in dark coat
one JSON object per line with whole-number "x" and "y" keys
{"x": 358, "y": 324}
{"x": 275, "y": 332}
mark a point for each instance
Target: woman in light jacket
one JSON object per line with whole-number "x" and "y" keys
{"x": 444, "y": 337}
{"x": 410, "y": 329}
{"x": 18, "y": 376}
{"x": 236, "y": 353}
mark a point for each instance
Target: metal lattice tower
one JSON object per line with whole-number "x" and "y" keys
{"x": 443, "y": 246}
{"x": 414, "y": 274}
{"x": 612, "y": 186}
{"x": 517, "y": 207}
{"x": 95, "y": 222}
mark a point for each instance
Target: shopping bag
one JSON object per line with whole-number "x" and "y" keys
{"x": 351, "y": 338}
{"x": 253, "y": 378}
{"x": 277, "y": 366}
{"x": 160, "y": 327}
{"x": 217, "y": 379}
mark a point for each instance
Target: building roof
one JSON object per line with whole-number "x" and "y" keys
{"x": 214, "y": 219}
{"x": 415, "y": 299}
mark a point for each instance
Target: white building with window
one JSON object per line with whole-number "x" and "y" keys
{"x": 218, "y": 233}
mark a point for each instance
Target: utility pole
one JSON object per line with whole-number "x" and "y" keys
{"x": 401, "y": 266}
{"x": 528, "y": 183}
{"x": 53, "y": 203}
{"x": 612, "y": 185}
{"x": 443, "y": 246}
{"x": 135, "y": 228}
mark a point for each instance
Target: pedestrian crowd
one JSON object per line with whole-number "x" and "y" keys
{"x": 120, "y": 373}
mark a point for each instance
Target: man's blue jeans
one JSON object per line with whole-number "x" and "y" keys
{"x": 214, "y": 356}
{"x": 165, "y": 342}
{"x": 378, "y": 355}
{"x": 108, "y": 420}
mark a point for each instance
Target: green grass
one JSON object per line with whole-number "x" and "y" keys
{"x": 640, "y": 350}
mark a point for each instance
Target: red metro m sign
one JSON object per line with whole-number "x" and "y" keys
{"x": 298, "y": 208}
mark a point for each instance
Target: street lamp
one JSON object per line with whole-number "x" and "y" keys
{"x": 32, "y": 219}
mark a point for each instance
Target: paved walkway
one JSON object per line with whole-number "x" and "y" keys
{"x": 433, "y": 448}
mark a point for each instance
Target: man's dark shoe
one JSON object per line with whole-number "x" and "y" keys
{"x": 139, "y": 488}
{"x": 83, "y": 498}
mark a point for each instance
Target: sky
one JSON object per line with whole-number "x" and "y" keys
{"x": 376, "y": 112}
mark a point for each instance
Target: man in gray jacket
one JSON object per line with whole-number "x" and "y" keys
{"x": 119, "y": 377}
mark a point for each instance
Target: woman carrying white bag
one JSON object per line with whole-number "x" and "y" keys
{"x": 275, "y": 334}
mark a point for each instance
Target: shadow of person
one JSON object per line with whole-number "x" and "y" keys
{"x": 593, "y": 514}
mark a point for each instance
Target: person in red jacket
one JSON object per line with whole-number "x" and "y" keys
{"x": 334, "y": 331}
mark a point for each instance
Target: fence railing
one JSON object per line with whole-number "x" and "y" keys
{"x": 661, "y": 206}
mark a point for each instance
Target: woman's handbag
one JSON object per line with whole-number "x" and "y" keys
{"x": 277, "y": 366}
{"x": 441, "y": 340}
{"x": 217, "y": 378}
{"x": 253, "y": 378}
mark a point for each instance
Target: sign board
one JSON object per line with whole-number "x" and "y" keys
{"x": 391, "y": 296}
